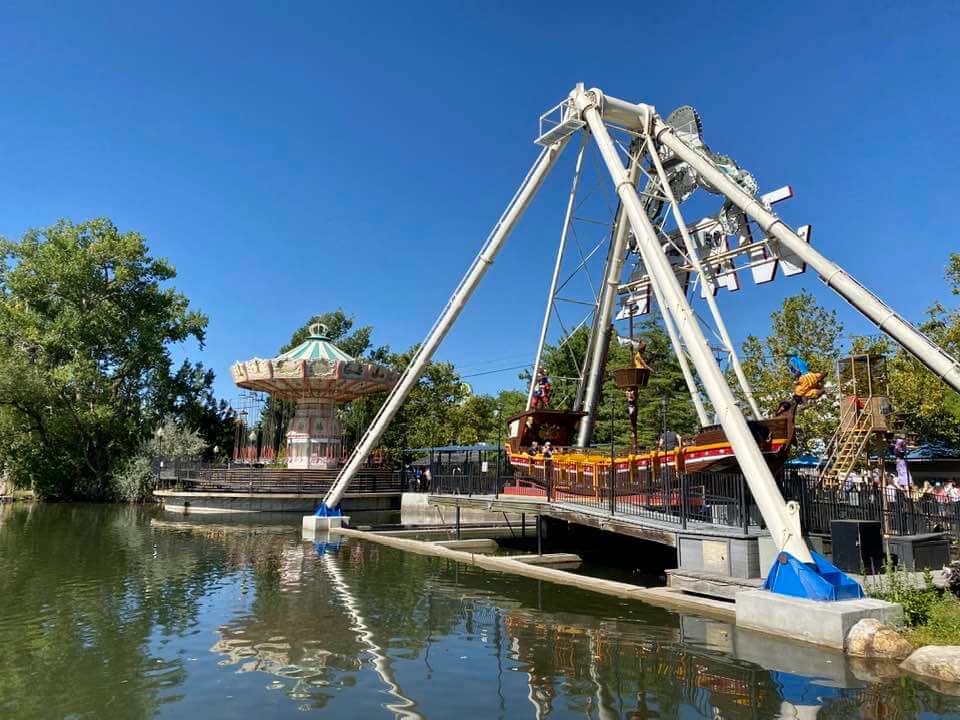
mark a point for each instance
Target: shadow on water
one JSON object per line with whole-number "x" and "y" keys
{"x": 124, "y": 612}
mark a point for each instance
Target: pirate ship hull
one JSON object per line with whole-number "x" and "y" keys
{"x": 707, "y": 452}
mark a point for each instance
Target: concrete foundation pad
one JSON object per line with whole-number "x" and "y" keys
{"x": 314, "y": 525}
{"x": 812, "y": 621}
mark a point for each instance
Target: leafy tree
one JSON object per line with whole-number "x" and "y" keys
{"x": 802, "y": 327}
{"x": 512, "y": 402}
{"x": 926, "y": 405}
{"x": 476, "y": 419}
{"x": 353, "y": 341}
{"x": 86, "y": 323}
{"x": 428, "y": 417}
{"x": 134, "y": 480}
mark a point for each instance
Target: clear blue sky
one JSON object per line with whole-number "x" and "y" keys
{"x": 293, "y": 158}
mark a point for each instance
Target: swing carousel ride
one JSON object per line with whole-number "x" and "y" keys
{"x": 317, "y": 375}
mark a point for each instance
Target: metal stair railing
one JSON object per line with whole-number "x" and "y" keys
{"x": 848, "y": 445}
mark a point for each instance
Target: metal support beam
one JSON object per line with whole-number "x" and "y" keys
{"x": 600, "y": 332}
{"x": 912, "y": 340}
{"x": 782, "y": 518}
{"x": 706, "y": 277}
{"x": 567, "y": 221}
{"x": 501, "y": 231}
{"x": 680, "y": 353}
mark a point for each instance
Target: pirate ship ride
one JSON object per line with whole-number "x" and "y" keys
{"x": 708, "y": 451}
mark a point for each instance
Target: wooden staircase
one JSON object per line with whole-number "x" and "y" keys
{"x": 847, "y": 444}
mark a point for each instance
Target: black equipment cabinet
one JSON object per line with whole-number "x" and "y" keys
{"x": 857, "y": 545}
{"x": 920, "y": 552}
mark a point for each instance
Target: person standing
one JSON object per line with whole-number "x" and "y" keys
{"x": 670, "y": 440}
{"x": 904, "y": 480}
{"x": 548, "y": 468}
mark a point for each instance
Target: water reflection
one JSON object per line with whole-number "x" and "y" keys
{"x": 117, "y": 612}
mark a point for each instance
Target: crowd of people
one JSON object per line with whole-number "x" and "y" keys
{"x": 857, "y": 483}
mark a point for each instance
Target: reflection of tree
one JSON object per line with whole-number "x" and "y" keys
{"x": 83, "y": 589}
{"x": 894, "y": 699}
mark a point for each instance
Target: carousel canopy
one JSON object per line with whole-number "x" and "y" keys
{"x": 315, "y": 347}
{"x": 314, "y": 369}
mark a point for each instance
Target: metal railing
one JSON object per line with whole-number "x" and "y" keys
{"x": 899, "y": 512}
{"x": 665, "y": 496}
{"x": 706, "y": 499}
{"x": 190, "y": 474}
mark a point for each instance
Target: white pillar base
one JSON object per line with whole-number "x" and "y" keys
{"x": 314, "y": 525}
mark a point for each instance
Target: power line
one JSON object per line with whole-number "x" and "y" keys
{"x": 491, "y": 372}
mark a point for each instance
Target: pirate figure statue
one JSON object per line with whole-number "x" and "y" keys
{"x": 807, "y": 385}
{"x": 541, "y": 392}
{"x": 630, "y": 380}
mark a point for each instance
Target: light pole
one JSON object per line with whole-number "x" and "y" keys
{"x": 613, "y": 453}
{"x": 159, "y": 452}
{"x": 496, "y": 489}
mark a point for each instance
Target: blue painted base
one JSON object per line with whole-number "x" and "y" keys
{"x": 324, "y": 511}
{"x": 822, "y": 581}
{"x": 327, "y": 548}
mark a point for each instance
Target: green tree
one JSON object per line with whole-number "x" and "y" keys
{"x": 134, "y": 479}
{"x": 802, "y": 327}
{"x": 429, "y": 416}
{"x": 87, "y": 319}
{"x": 926, "y": 405}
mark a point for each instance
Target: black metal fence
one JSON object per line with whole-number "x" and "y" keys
{"x": 899, "y": 512}
{"x": 719, "y": 499}
{"x": 190, "y": 474}
{"x": 665, "y": 496}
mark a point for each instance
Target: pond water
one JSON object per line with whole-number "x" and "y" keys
{"x": 122, "y": 612}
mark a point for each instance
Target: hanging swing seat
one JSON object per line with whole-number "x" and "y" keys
{"x": 628, "y": 378}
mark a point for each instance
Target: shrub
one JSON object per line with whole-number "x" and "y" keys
{"x": 135, "y": 480}
{"x": 898, "y": 586}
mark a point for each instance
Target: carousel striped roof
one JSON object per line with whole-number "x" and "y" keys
{"x": 316, "y": 347}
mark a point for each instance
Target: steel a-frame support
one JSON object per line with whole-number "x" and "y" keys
{"x": 561, "y": 250}
{"x": 782, "y": 518}
{"x": 398, "y": 395}
{"x": 706, "y": 279}
{"x": 882, "y": 315}
{"x": 599, "y": 344}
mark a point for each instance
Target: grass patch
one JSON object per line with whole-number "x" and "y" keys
{"x": 942, "y": 626}
{"x": 931, "y": 614}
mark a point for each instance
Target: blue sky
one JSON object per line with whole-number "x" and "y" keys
{"x": 293, "y": 158}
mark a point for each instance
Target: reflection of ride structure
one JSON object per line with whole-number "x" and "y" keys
{"x": 716, "y": 686}
{"x": 252, "y": 642}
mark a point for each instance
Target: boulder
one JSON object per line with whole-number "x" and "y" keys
{"x": 940, "y": 662}
{"x": 872, "y": 639}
